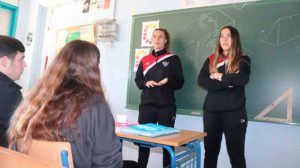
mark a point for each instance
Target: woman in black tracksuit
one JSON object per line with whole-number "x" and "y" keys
{"x": 158, "y": 75}
{"x": 224, "y": 75}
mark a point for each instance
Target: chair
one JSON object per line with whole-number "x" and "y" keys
{"x": 12, "y": 159}
{"x": 52, "y": 152}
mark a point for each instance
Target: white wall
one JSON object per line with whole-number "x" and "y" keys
{"x": 28, "y": 23}
{"x": 267, "y": 145}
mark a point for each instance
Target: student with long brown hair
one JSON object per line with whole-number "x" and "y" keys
{"x": 68, "y": 104}
{"x": 224, "y": 75}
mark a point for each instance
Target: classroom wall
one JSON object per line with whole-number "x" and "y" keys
{"x": 267, "y": 145}
{"x": 31, "y": 20}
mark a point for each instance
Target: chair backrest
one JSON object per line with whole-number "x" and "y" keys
{"x": 50, "y": 152}
{"x": 11, "y": 158}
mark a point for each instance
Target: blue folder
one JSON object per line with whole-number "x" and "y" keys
{"x": 149, "y": 130}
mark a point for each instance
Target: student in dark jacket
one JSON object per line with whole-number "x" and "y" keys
{"x": 12, "y": 64}
{"x": 68, "y": 104}
{"x": 158, "y": 76}
{"x": 224, "y": 75}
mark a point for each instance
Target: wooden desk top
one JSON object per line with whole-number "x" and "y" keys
{"x": 178, "y": 139}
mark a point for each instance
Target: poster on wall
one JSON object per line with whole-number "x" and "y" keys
{"x": 139, "y": 54}
{"x": 147, "y": 30}
{"x": 94, "y": 7}
{"x": 99, "y": 5}
{"x": 84, "y": 32}
{"x": 86, "y": 6}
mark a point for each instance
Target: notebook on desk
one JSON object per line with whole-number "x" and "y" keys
{"x": 149, "y": 130}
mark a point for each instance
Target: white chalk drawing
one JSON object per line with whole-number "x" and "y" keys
{"x": 286, "y": 95}
{"x": 283, "y": 30}
{"x": 207, "y": 27}
{"x": 239, "y": 6}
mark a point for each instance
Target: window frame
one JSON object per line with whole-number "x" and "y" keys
{"x": 13, "y": 19}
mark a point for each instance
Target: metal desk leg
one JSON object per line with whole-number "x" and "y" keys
{"x": 172, "y": 155}
{"x": 198, "y": 154}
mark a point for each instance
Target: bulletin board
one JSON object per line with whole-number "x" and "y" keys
{"x": 84, "y": 32}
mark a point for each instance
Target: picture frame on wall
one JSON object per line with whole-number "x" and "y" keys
{"x": 83, "y": 32}
{"x": 86, "y": 6}
{"x": 105, "y": 8}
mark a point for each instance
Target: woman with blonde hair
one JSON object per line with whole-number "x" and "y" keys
{"x": 68, "y": 104}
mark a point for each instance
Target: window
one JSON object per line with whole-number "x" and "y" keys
{"x": 8, "y": 15}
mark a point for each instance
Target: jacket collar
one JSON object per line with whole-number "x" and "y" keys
{"x": 159, "y": 53}
{"x": 5, "y": 79}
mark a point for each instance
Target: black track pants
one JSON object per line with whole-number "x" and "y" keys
{"x": 155, "y": 114}
{"x": 233, "y": 125}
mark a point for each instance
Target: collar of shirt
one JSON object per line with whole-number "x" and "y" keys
{"x": 158, "y": 53}
{"x": 4, "y": 79}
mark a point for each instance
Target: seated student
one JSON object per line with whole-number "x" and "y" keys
{"x": 68, "y": 104}
{"x": 12, "y": 64}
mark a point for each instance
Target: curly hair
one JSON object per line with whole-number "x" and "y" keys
{"x": 55, "y": 101}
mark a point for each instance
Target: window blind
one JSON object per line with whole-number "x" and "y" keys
{"x": 12, "y": 2}
{"x": 5, "y": 20}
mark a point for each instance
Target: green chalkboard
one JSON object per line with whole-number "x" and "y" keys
{"x": 270, "y": 34}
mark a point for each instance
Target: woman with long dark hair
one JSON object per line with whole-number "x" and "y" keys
{"x": 68, "y": 104}
{"x": 224, "y": 75}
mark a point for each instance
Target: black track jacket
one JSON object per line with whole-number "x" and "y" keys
{"x": 157, "y": 66}
{"x": 229, "y": 94}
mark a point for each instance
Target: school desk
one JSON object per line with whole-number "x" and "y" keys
{"x": 190, "y": 140}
